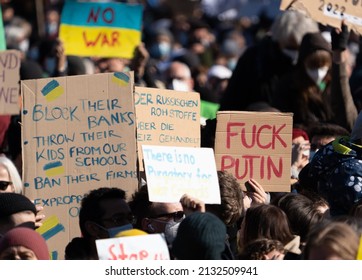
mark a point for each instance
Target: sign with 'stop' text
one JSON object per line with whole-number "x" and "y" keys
{"x": 167, "y": 118}
{"x": 139, "y": 247}
{"x": 101, "y": 29}
{"x": 78, "y": 135}
{"x": 255, "y": 145}
{"x": 172, "y": 172}
{"x": 330, "y": 12}
{"x": 9, "y": 82}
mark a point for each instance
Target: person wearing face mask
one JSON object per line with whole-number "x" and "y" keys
{"x": 104, "y": 213}
{"x": 260, "y": 66}
{"x": 156, "y": 217}
{"x": 317, "y": 90}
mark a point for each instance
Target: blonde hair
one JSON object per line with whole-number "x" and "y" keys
{"x": 13, "y": 174}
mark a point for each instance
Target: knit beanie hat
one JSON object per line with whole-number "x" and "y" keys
{"x": 300, "y": 132}
{"x": 11, "y": 203}
{"x": 312, "y": 42}
{"x": 21, "y": 236}
{"x": 200, "y": 236}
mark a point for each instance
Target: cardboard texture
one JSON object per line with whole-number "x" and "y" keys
{"x": 255, "y": 145}
{"x": 174, "y": 171}
{"x": 78, "y": 135}
{"x": 101, "y": 29}
{"x": 166, "y": 118}
{"x": 140, "y": 247}
{"x": 9, "y": 82}
{"x": 330, "y": 12}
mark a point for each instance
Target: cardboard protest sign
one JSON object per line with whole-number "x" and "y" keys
{"x": 330, "y": 12}
{"x": 9, "y": 82}
{"x": 174, "y": 171}
{"x": 100, "y": 29}
{"x": 255, "y": 145}
{"x": 139, "y": 247}
{"x": 167, "y": 118}
{"x": 78, "y": 135}
{"x": 2, "y": 34}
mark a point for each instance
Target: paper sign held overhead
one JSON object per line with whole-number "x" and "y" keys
{"x": 101, "y": 29}
{"x": 174, "y": 171}
{"x": 255, "y": 145}
{"x": 330, "y": 12}
{"x": 166, "y": 118}
{"x": 78, "y": 135}
{"x": 140, "y": 247}
{"x": 9, "y": 82}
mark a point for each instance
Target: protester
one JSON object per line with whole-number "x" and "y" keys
{"x": 263, "y": 249}
{"x": 23, "y": 244}
{"x": 16, "y": 210}
{"x": 104, "y": 213}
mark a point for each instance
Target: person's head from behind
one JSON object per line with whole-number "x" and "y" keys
{"x": 263, "y": 249}
{"x": 16, "y": 210}
{"x": 201, "y": 236}
{"x": 302, "y": 213}
{"x": 156, "y": 217}
{"x": 332, "y": 241}
{"x": 23, "y": 244}
{"x": 231, "y": 208}
{"x": 265, "y": 221}
{"x": 288, "y": 30}
{"x": 104, "y": 212}
{"x": 10, "y": 180}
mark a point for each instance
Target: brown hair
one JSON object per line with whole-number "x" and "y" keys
{"x": 257, "y": 249}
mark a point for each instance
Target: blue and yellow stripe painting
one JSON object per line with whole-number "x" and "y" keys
{"x": 50, "y": 227}
{"x": 101, "y": 29}
{"x": 52, "y": 90}
{"x": 120, "y": 79}
{"x": 54, "y": 169}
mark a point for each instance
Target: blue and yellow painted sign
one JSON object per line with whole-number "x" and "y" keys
{"x": 101, "y": 29}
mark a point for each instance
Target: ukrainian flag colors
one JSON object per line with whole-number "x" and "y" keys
{"x": 52, "y": 90}
{"x": 101, "y": 29}
{"x": 50, "y": 227}
{"x": 120, "y": 78}
{"x": 54, "y": 168}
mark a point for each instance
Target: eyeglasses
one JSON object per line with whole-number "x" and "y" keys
{"x": 120, "y": 219}
{"x": 176, "y": 216}
{"x": 4, "y": 185}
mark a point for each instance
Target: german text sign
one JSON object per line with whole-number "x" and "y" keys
{"x": 330, "y": 12}
{"x": 255, "y": 145}
{"x": 167, "y": 118}
{"x": 174, "y": 171}
{"x": 78, "y": 135}
{"x": 139, "y": 247}
{"x": 9, "y": 82}
{"x": 101, "y": 29}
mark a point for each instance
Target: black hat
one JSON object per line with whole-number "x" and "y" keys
{"x": 311, "y": 43}
{"x": 200, "y": 236}
{"x": 11, "y": 203}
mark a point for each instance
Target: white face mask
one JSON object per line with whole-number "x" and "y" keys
{"x": 179, "y": 85}
{"x": 292, "y": 54}
{"x": 171, "y": 231}
{"x": 317, "y": 74}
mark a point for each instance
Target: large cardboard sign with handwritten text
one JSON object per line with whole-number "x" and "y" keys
{"x": 101, "y": 29}
{"x": 139, "y": 247}
{"x": 255, "y": 145}
{"x": 174, "y": 171}
{"x": 9, "y": 82}
{"x": 78, "y": 135}
{"x": 167, "y": 118}
{"x": 330, "y": 12}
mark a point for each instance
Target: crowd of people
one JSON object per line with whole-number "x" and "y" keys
{"x": 286, "y": 63}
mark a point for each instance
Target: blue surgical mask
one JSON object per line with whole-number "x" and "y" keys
{"x": 112, "y": 232}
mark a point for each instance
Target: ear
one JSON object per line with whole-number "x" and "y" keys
{"x": 146, "y": 225}
{"x": 93, "y": 229}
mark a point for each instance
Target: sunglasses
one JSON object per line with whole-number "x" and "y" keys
{"x": 4, "y": 185}
{"x": 176, "y": 216}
